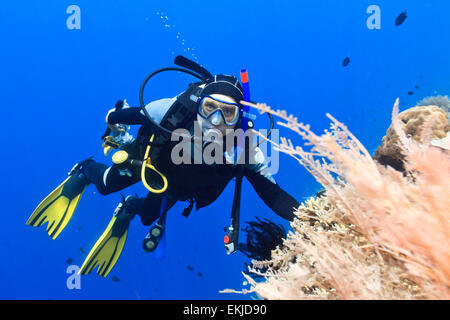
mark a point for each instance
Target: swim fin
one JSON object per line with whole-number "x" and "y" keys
{"x": 109, "y": 246}
{"x": 58, "y": 207}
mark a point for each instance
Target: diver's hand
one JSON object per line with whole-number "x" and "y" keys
{"x": 107, "y": 150}
{"x": 114, "y": 127}
{"x": 118, "y": 128}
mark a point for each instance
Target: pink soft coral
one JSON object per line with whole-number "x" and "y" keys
{"x": 378, "y": 233}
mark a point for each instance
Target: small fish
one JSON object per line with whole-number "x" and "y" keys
{"x": 200, "y": 274}
{"x": 416, "y": 87}
{"x": 190, "y": 268}
{"x": 115, "y": 279}
{"x": 321, "y": 193}
{"x": 410, "y": 93}
{"x": 401, "y": 18}
{"x": 81, "y": 249}
{"x": 69, "y": 261}
{"x": 346, "y": 62}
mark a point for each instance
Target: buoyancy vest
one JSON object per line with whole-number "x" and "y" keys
{"x": 202, "y": 183}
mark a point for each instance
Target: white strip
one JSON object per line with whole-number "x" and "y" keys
{"x": 105, "y": 175}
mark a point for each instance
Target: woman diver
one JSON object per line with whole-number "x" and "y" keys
{"x": 212, "y": 106}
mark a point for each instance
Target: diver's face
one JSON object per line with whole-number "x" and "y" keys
{"x": 215, "y": 120}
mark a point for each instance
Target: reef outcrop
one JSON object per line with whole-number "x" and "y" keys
{"x": 423, "y": 124}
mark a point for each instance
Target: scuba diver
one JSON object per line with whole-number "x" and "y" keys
{"x": 211, "y": 106}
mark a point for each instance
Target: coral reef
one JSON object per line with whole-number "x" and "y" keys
{"x": 422, "y": 124}
{"x": 442, "y": 102}
{"x": 376, "y": 234}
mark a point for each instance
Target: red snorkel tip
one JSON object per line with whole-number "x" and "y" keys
{"x": 244, "y": 76}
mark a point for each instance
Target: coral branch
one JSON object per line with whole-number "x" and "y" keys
{"x": 377, "y": 234}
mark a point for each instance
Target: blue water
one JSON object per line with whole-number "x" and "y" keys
{"x": 57, "y": 85}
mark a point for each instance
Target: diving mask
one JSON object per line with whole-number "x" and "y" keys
{"x": 215, "y": 110}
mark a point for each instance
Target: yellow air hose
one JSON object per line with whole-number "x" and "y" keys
{"x": 146, "y": 163}
{"x": 121, "y": 156}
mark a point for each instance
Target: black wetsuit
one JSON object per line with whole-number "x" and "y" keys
{"x": 201, "y": 183}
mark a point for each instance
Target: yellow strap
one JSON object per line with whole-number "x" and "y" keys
{"x": 146, "y": 163}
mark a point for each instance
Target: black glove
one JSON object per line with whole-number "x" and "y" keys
{"x": 118, "y": 106}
